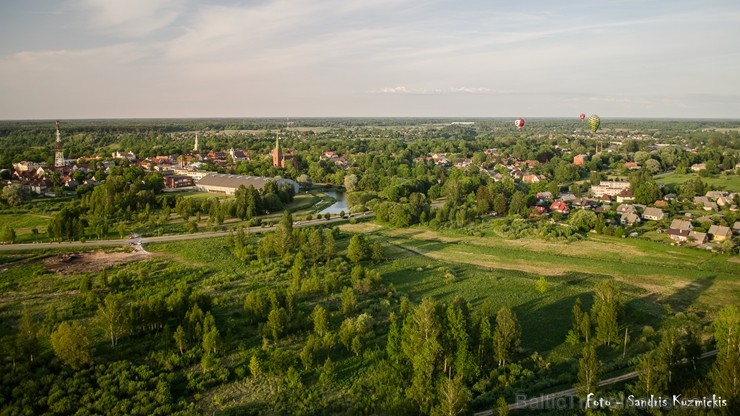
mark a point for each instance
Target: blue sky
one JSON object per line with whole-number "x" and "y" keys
{"x": 404, "y": 58}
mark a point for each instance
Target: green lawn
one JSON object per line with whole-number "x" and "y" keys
{"x": 25, "y": 222}
{"x": 685, "y": 278}
{"x": 730, "y": 183}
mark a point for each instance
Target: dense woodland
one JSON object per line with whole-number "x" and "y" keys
{"x": 308, "y": 320}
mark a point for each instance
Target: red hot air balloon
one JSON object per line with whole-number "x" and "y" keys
{"x": 519, "y": 123}
{"x": 583, "y": 116}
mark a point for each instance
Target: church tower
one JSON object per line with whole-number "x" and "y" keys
{"x": 277, "y": 154}
{"x": 59, "y": 153}
{"x": 195, "y": 147}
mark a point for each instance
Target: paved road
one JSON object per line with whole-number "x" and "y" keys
{"x": 537, "y": 402}
{"x": 164, "y": 238}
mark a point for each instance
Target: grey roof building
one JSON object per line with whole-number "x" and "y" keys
{"x": 228, "y": 184}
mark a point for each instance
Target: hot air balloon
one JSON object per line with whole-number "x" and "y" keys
{"x": 594, "y": 122}
{"x": 583, "y": 116}
{"x": 519, "y": 123}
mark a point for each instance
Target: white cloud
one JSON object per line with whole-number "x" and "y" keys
{"x": 436, "y": 91}
{"x": 132, "y": 18}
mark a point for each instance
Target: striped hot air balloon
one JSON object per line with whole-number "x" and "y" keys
{"x": 519, "y": 123}
{"x": 594, "y": 122}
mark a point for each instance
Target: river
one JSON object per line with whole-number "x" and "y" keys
{"x": 337, "y": 207}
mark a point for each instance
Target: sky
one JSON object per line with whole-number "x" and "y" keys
{"x": 78, "y": 59}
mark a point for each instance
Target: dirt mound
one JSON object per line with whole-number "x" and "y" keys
{"x": 71, "y": 263}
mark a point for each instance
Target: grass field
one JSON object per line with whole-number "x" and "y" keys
{"x": 684, "y": 278}
{"x": 23, "y": 223}
{"x": 730, "y": 183}
{"x": 420, "y": 262}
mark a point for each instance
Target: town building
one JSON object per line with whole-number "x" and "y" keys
{"x": 611, "y": 188}
{"x": 228, "y": 184}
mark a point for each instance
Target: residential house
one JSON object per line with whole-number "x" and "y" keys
{"x": 585, "y": 203}
{"x": 736, "y": 227}
{"x": 238, "y": 155}
{"x": 661, "y": 204}
{"x": 625, "y": 195}
{"x": 629, "y": 219}
{"x": 679, "y": 230}
{"x": 654, "y": 214}
{"x": 632, "y": 165}
{"x": 698, "y": 167}
{"x": 696, "y": 237}
{"x": 567, "y": 197}
{"x": 463, "y": 163}
{"x": 720, "y": 233}
{"x": 531, "y": 178}
{"x": 580, "y": 160}
{"x": 625, "y": 208}
{"x": 724, "y": 201}
{"x": 536, "y": 211}
{"x": 715, "y": 195}
{"x": 178, "y": 181}
{"x": 126, "y": 155}
{"x": 710, "y": 206}
{"x": 611, "y": 188}
{"x": 545, "y": 196}
{"x": 700, "y": 200}
{"x": 678, "y": 235}
{"x": 560, "y": 206}
{"x": 680, "y": 225}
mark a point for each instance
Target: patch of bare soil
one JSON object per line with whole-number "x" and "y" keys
{"x": 72, "y": 263}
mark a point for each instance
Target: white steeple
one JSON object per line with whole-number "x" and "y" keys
{"x": 59, "y": 153}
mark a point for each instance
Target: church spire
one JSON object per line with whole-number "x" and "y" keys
{"x": 277, "y": 154}
{"x": 59, "y": 153}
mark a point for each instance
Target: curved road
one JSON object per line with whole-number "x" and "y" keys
{"x": 164, "y": 238}
{"x": 537, "y": 402}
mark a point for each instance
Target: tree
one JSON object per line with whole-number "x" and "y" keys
{"x": 358, "y": 248}
{"x": 485, "y": 340}
{"x": 276, "y": 323}
{"x": 588, "y": 372}
{"x": 112, "y": 317}
{"x": 586, "y": 326}
{"x": 27, "y": 340}
{"x": 8, "y": 234}
{"x": 606, "y": 310}
{"x": 518, "y": 204}
{"x": 350, "y": 182}
{"x": 393, "y": 346}
{"x": 652, "y": 377}
{"x": 506, "y": 336}
{"x": 499, "y": 204}
{"x": 453, "y": 397}
{"x": 254, "y": 367}
{"x": 502, "y": 407}
{"x": 284, "y": 235}
{"x": 349, "y": 301}
{"x": 72, "y": 344}
{"x": 541, "y": 285}
{"x": 577, "y": 313}
{"x": 421, "y": 348}
{"x": 15, "y": 194}
{"x": 725, "y": 373}
{"x": 180, "y": 339}
{"x": 211, "y": 338}
{"x": 583, "y": 220}
{"x": 320, "y": 321}
{"x": 326, "y": 378}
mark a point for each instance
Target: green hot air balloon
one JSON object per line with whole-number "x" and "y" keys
{"x": 594, "y": 122}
